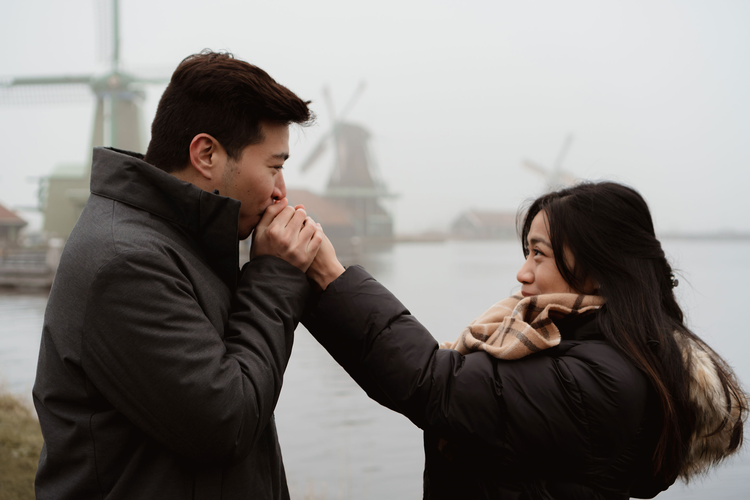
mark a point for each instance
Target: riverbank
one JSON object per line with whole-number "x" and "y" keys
{"x": 20, "y": 444}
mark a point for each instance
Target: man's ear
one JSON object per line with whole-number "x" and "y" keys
{"x": 207, "y": 156}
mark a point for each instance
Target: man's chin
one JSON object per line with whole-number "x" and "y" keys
{"x": 245, "y": 233}
{"x": 246, "y": 229}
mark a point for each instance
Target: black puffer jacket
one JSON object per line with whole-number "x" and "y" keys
{"x": 575, "y": 421}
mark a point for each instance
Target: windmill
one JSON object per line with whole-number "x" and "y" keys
{"x": 117, "y": 123}
{"x": 556, "y": 177}
{"x": 355, "y": 183}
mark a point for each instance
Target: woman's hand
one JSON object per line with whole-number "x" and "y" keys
{"x": 326, "y": 267}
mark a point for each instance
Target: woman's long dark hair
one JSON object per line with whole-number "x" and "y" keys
{"x": 607, "y": 229}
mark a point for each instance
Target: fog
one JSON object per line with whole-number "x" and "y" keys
{"x": 655, "y": 93}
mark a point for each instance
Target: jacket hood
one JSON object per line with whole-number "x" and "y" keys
{"x": 719, "y": 415}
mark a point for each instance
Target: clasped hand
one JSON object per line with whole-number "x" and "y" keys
{"x": 290, "y": 234}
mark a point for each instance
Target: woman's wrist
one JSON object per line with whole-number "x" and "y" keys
{"x": 324, "y": 276}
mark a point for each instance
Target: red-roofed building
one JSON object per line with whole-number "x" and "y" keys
{"x": 334, "y": 218}
{"x": 337, "y": 221}
{"x": 10, "y": 226}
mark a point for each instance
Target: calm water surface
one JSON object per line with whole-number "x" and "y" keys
{"x": 338, "y": 444}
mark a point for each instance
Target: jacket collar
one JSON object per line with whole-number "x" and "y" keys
{"x": 211, "y": 220}
{"x": 579, "y": 327}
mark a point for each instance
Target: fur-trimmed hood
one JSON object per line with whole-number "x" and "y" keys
{"x": 719, "y": 411}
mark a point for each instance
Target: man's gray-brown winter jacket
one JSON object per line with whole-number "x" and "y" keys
{"x": 160, "y": 363}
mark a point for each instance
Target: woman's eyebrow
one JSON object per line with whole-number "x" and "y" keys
{"x": 537, "y": 239}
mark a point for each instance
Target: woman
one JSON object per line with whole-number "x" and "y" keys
{"x": 592, "y": 388}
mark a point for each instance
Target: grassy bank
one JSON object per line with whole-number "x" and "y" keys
{"x": 20, "y": 444}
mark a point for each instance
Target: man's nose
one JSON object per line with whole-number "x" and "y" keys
{"x": 279, "y": 190}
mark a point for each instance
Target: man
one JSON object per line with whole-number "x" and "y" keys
{"x": 160, "y": 363}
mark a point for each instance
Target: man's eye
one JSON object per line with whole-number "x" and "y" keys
{"x": 278, "y": 168}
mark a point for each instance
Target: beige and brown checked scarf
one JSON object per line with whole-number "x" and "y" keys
{"x": 516, "y": 327}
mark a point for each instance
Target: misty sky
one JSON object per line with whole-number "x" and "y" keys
{"x": 458, "y": 93}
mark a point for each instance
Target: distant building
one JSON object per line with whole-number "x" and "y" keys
{"x": 62, "y": 198}
{"x": 10, "y": 226}
{"x": 476, "y": 224}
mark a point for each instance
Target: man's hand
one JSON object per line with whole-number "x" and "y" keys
{"x": 326, "y": 267}
{"x": 287, "y": 233}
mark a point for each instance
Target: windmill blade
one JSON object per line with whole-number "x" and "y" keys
{"x": 563, "y": 152}
{"x": 45, "y": 90}
{"x": 115, "y": 36}
{"x": 103, "y": 33}
{"x": 48, "y": 80}
{"x": 329, "y": 103}
{"x": 534, "y": 167}
{"x": 567, "y": 179}
{"x": 152, "y": 81}
{"x": 316, "y": 153}
{"x": 322, "y": 145}
{"x": 352, "y": 100}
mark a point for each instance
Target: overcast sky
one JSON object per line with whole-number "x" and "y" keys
{"x": 654, "y": 92}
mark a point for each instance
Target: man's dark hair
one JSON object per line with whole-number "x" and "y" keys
{"x": 216, "y": 94}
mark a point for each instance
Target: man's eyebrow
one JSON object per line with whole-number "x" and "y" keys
{"x": 280, "y": 156}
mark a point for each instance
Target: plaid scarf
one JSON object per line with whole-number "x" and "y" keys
{"x": 516, "y": 327}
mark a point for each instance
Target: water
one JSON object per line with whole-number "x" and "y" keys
{"x": 20, "y": 334}
{"x": 338, "y": 444}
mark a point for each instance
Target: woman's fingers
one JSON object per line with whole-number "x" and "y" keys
{"x": 311, "y": 236}
{"x": 297, "y": 219}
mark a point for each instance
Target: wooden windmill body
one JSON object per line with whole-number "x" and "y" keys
{"x": 354, "y": 184}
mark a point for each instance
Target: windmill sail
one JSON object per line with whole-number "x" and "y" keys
{"x": 316, "y": 153}
{"x": 555, "y": 177}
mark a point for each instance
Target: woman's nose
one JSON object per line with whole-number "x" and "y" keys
{"x": 525, "y": 274}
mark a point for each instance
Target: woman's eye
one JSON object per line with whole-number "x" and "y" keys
{"x": 537, "y": 252}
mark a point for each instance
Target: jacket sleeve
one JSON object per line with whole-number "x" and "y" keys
{"x": 538, "y": 403}
{"x": 152, "y": 352}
